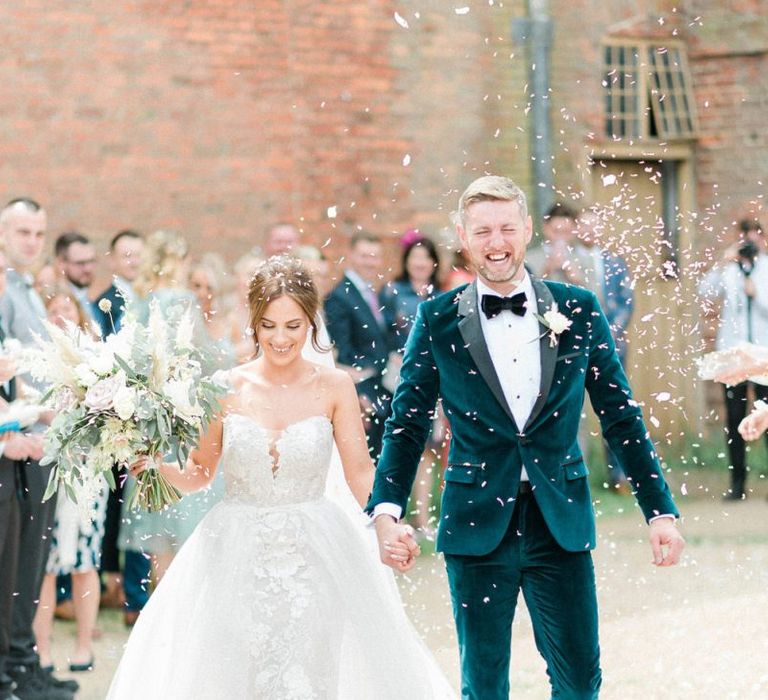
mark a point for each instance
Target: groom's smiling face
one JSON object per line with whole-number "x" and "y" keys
{"x": 495, "y": 236}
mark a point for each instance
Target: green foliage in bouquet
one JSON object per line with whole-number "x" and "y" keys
{"x": 141, "y": 392}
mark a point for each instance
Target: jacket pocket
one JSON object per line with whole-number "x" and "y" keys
{"x": 575, "y": 469}
{"x": 462, "y": 473}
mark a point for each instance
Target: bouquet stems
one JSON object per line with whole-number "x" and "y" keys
{"x": 153, "y": 492}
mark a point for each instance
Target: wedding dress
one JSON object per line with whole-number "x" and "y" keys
{"x": 277, "y": 594}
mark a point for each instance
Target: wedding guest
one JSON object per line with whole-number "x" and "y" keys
{"x": 162, "y": 280}
{"x": 738, "y": 282}
{"x": 238, "y": 318}
{"x": 124, "y": 259}
{"x": 15, "y": 449}
{"x": 76, "y": 261}
{"x": 358, "y": 330}
{"x": 76, "y": 537}
{"x": 400, "y": 299}
{"x": 207, "y": 281}
{"x": 125, "y": 587}
{"x": 46, "y": 278}
{"x": 607, "y": 275}
{"x": 280, "y": 239}
{"x": 318, "y": 267}
{"x": 460, "y": 273}
{"x": 23, "y": 224}
{"x": 561, "y": 258}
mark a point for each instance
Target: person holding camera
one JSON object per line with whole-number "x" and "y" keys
{"x": 739, "y": 283}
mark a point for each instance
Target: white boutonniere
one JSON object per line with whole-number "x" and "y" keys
{"x": 555, "y": 322}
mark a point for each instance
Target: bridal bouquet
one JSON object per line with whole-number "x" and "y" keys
{"x": 140, "y": 392}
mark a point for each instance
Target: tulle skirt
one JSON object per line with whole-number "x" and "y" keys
{"x": 282, "y": 602}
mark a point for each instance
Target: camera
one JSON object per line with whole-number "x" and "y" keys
{"x": 747, "y": 253}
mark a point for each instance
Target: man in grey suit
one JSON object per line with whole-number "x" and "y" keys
{"x": 23, "y": 224}
{"x": 15, "y": 448}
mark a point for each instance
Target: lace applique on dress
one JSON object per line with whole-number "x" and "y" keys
{"x": 304, "y": 450}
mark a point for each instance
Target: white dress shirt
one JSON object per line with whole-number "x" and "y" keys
{"x": 513, "y": 345}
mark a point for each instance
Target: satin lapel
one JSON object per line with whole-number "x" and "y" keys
{"x": 474, "y": 340}
{"x": 547, "y": 352}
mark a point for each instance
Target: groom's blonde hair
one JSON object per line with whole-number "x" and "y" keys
{"x": 283, "y": 276}
{"x": 490, "y": 188}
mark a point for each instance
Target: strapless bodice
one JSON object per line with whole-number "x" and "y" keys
{"x": 270, "y": 470}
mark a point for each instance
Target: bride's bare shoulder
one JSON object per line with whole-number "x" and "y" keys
{"x": 334, "y": 382}
{"x": 246, "y": 372}
{"x": 330, "y": 375}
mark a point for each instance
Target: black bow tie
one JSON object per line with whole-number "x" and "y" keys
{"x": 492, "y": 305}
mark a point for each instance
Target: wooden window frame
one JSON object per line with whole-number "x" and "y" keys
{"x": 647, "y": 85}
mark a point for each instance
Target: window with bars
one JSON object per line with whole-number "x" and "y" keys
{"x": 647, "y": 92}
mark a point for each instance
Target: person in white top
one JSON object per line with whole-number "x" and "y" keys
{"x": 738, "y": 283}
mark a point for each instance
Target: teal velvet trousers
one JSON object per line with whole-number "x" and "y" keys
{"x": 559, "y": 591}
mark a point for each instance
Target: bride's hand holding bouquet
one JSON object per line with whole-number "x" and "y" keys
{"x": 141, "y": 392}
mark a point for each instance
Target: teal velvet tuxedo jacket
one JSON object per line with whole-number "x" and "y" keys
{"x": 446, "y": 356}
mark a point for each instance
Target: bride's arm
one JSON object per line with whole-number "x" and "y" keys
{"x": 350, "y": 438}
{"x": 201, "y": 465}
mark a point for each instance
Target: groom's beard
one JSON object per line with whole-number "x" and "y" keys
{"x": 502, "y": 277}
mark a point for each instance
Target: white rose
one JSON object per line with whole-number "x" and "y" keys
{"x": 124, "y": 402}
{"x": 178, "y": 392}
{"x": 85, "y": 375}
{"x": 100, "y": 397}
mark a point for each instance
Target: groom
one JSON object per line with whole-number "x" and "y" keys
{"x": 511, "y": 356}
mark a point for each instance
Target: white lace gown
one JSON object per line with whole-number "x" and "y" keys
{"x": 276, "y": 594}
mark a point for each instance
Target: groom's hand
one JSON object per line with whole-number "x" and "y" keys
{"x": 666, "y": 542}
{"x": 397, "y": 547}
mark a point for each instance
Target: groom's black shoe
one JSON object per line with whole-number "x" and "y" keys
{"x": 734, "y": 496}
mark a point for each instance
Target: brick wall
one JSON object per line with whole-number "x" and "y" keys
{"x": 218, "y": 117}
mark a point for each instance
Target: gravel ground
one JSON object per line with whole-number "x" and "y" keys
{"x": 697, "y": 631}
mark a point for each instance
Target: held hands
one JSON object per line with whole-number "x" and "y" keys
{"x": 397, "y": 547}
{"x": 666, "y": 542}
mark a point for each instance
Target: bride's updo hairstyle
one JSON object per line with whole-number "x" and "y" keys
{"x": 283, "y": 276}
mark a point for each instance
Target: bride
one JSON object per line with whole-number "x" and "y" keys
{"x": 277, "y": 594}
